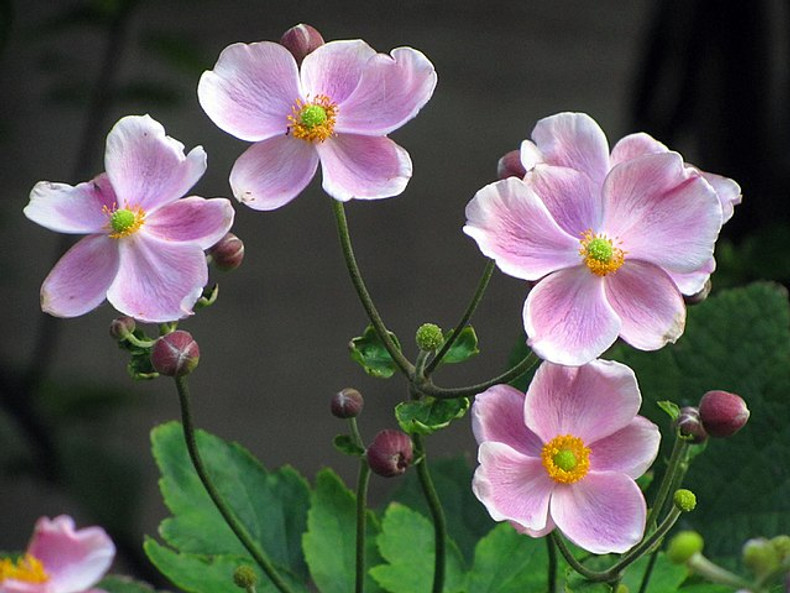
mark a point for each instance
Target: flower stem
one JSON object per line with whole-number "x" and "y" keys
{"x": 437, "y": 513}
{"x": 482, "y": 285}
{"x": 648, "y": 572}
{"x": 362, "y": 494}
{"x": 715, "y": 573}
{"x": 236, "y": 526}
{"x": 552, "y": 568}
{"x": 364, "y": 296}
{"x": 676, "y": 458}
{"x": 428, "y": 388}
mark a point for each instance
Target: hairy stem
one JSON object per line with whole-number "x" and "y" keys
{"x": 437, "y": 514}
{"x": 227, "y": 514}
{"x": 428, "y": 388}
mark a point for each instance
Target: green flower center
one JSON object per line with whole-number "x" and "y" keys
{"x": 600, "y": 254}
{"x": 600, "y": 249}
{"x": 312, "y": 116}
{"x": 122, "y": 220}
{"x": 565, "y": 460}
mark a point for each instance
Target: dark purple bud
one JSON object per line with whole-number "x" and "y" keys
{"x": 347, "y": 403}
{"x": 121, "y": 327}
{"x": 300, "y": 40}
{"x": 690, "y": 425}
{"x": 722, "y": 413}
{"x": 697, "y": 298}
{"x": 390, "y": 453}
{"x": 175, "y": 354}
{"x": 228, "y": 253}
{"x": 510, "y": 166}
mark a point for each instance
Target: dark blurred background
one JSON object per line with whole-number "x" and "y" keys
{"x": 709, "y": 78}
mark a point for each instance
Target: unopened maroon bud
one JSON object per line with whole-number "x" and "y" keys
{"x": 301, "y": 40}
{"x": 722, "y": 413}
{"x": 175, "y": 354}
{"x": 390, "y": 453}
{"x": 510, "y": 166}
{"x": 698, "y": 297}
{"x": 122, "y": 327}
{"x": 690, "y": 425}
{"x": 347, "y": 403}
{"x": 228, "y": 253}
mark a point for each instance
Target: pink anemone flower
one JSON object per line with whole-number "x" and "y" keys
{"x": 59, "y": 559}
{"x": 144, "y": 249}
{"x": 566, "y": 455}
{"x": 613, "y": 241}
{"x": 336, "y": 110}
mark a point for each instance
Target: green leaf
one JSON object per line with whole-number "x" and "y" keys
{"x": 196, "y": 573}
{"x": 406, "y": 542}
{"x": 671, "y": 408}
{"x": 464, "y": 347}
{"x": 738, "y": 341}
{"x": 122, "y": 584}
{"x": 666, "y": 576}
{"x": 508, "y": 562}
{"x": 369, "y": 351}
{"x": 330, "y": 542}
{"x": 429, "y": 414}
{"x": 346, "y": 444}
{"x": 453, "y": 481}
{"x": 272, "y": 505}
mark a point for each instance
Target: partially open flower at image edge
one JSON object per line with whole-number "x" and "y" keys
{"x": 59, "y": 559}
{"x": 337, "y": 109}
{"x": 566, "y": 454}
{"x": 615, "y": 240}
{"x": 144, "y": 250}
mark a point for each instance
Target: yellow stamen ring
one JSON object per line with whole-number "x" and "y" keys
{"x": 27, "y": 569}
{"x": 566, "y": 459}
{"x": 600, "y": 254}
{"x": 123, "y": 222}
{"x": 312, "y": 121}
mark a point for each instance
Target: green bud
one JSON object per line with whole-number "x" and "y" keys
{"x": 683, "y": 546}
{"x": 429, "y": 337}
{"x": 760, "y": 556}
{"x": 244, "y": 577}
{"x": 781, "y": 543}
{"x": 685, "y": 500}
{"x": 621, "y": 589}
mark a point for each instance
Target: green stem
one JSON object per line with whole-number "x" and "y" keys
{"x": 715, "y": 573}
{"x": 648, "y": 571}
{"x": 679, "y": 450}
{"x": 428, "y": 388}
{"x": 482, "y": 285}
{"x": 552, "y": 575}
{"x": 437, "y": 513}
{"x": 236, "y": 526}
{"x": 613, "y": 573}
{"x": 364, "y": 296}
{"x": 362, "y": 494}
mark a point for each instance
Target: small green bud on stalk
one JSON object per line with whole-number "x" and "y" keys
{"x": 685, "y": 500}
{"x": 510, "y": 166}
{"x": 228, "y": 253}
{"x": 722, "y": 413}
{"x": 690, "y": 426}
{"x": 429, "y": 337}
{"x": 760, "y": 556}
{"x": 122, "y": 327}
{"x": 301, "y": 40}
{"x": 683, "y": 546}
{"x": 390, "y": 453}
{"x": 244, "y": 577}
{"x": 175, "y": 354}
{"x": 347, "y": 403}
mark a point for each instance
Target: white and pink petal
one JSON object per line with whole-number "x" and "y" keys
{"x": 157, "y": 281}
{"x": 271, "y": 173}
{"x": 590, "y": 402}
{"x": 80, "y": 279}
{"x": 568, "y": 319}
{"x": 573, "y": 140}
{"x": 80, "y": 209}
{"x": 74, "y": 559}
{"x": 512, "y": 486}
{"x": 251, "y": 90}
{"x": 512, "y": 225}
{"x": 630, "y": 450}
{"x": 648, "y": 303}
{"x": 335, "y": 69}
{"x": 603, "y": 513}
{"x": 391, "y": 90}
{"x": 147, "y": 168}
{"x": 498, "y": 415}
{"x": 635, "y": 145}
{"x": 363, "y": 167}
{"x": 191, "y": 219}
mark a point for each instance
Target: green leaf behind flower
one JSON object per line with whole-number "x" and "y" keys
{"x": 370, "y": 353}
{"x": 464, "y": 347}
{"x": 429, "y": 414}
